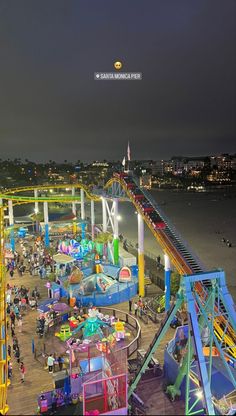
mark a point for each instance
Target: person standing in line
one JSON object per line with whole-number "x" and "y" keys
{"x": 12, "y": 330}
{"x": 9, "y": 350}
{"x": 13, "y": 317}
{"x": 17, "y": 354}
{"x": 15, "y": 344}
{"x": 54, "y": 401}
{"x": 130, "y": 305}
{"x": 50, "y": 363}
{"x": 135, "y": 308}
{"x": 22, "y": 371}
{"x": 60, "y": 363}
{"x": 10, "y": 370}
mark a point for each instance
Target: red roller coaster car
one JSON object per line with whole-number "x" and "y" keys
{"x": 157, "y": 222}
{"x": 130, "y": 185}
{"x": 146, "y": 207}
{"x": 160, "y": 225}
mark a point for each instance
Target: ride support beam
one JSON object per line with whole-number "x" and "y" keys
{"x": 36, "y": 203}
{"x": 141, "y": 256}
{"x": 46, "y": 224}
{"x": 11, "y": 223}
{"x": 82, "y": 204}
{"x": 167, "y": 281}
{"x": 104, "y": 216}
{"x": 116, "y": 232}
{"x": 73, "y": 203}
{"x": 74, "y": 224}
{"x": 92, "y": 219}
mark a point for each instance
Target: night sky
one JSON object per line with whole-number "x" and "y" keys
{"x": 51, "y": 107}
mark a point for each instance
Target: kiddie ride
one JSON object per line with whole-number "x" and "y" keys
{"x": 78, "y": 250}
{"x": 92, "y": 328}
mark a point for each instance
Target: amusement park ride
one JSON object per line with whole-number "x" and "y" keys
{"x": 209, "y": 304}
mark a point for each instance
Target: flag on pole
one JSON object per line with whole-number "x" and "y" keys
{"x": 123, "y": 162}
{"x": 128, "y": 152}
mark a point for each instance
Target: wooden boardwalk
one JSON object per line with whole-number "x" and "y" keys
{"x": 22, "y": 397}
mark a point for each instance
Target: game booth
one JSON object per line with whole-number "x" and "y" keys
{"x": 97, "y": 381}
{"x": 99, "y": 376}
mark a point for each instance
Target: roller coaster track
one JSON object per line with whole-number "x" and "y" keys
{"x": 11, "y": 193}
{"x": 185, "y": 262}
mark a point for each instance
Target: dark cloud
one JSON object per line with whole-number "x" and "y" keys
{"x": 50, "y": 106}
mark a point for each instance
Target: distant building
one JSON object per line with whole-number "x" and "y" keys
{"x": 158, "y": 168}
{"x": 194, "y": 164}
{"x": 168, "y": 166}
{"x": 221, "y": 162}
{"x": 219, "y": 176}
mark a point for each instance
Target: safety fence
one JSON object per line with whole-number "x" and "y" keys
{"x": 40, "y": 348}
{"x": 115, "y": 295}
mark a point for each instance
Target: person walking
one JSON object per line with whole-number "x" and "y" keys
{"x": 15, "y": 344}
{"x": 10, "y": 370}
{"x": 9, "y": 350}
{"x": 17, "y": 354}
{"x": 130, "y": 305}
{"x": 54, "y": 401}
{"x": 22, "y": 371}
{"x": 50, "y": 363}
{"x": 60, "y": 363}
{"x": 135, "y": 308}
{"x": 12, "y": 317}
{"x": 12, "y": 329}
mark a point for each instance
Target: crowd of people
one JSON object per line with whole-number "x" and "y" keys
{"x": 34, "y": 258}
{"x": 19, "y": 299}
{"x": 139, "y": 307}
{"x": 15, "y": 308}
